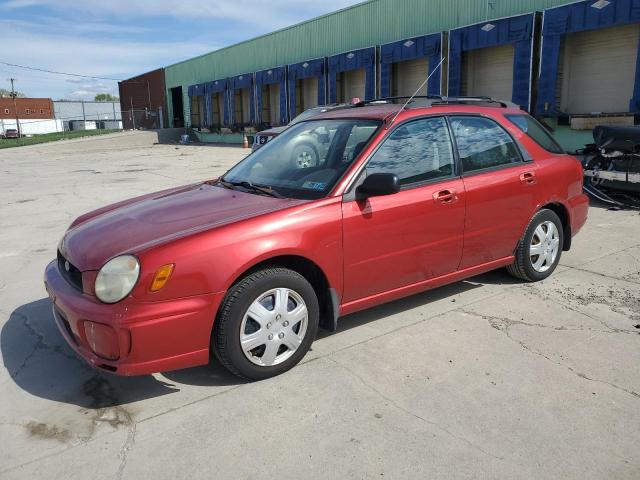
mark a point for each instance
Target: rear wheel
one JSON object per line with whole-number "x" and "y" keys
{"x": 266, "y": 324}
{"x": 539, "y": 250}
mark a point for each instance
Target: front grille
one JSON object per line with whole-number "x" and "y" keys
{"x": 70, "y": 273}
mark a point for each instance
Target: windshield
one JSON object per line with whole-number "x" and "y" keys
{"x": 307, "y": 159}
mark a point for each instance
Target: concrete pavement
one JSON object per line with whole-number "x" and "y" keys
{"x": 486, "y": 378}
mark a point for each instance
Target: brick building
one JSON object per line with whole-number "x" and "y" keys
{"x": 142, "y": 100}
{"x": 40, "y": 108}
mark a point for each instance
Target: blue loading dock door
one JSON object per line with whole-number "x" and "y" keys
{"x": 428, "y": 47}
{"x": 516, "y": 31}
{"x": 308, "y": 70}
{"x": 242, "y": 100}
{"x": 349, "y": 62}
{"x": 273, "y": 76}
{"x": 580, "y": 17}
{"x": 196, "y": 94}
{"x": 216, "y": 108}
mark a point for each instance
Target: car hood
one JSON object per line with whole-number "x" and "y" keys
{"x": 134, "y": 225}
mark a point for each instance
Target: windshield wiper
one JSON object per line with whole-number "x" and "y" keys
{"x": 252, "y": 186}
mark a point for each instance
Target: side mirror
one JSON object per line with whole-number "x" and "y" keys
{"x": 378, "y": 184}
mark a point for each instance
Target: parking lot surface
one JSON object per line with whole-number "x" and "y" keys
{"x": 486, "y": 378}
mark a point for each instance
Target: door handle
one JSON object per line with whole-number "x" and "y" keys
{"x": 528, "y": 178}
{"x": 445, "y": 196}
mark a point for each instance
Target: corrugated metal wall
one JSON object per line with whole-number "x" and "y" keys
{"x": 70, "y": 110}
{"x": 370, "y": 23}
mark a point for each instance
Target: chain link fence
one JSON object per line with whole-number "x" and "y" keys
{"x": 143, "y": 119}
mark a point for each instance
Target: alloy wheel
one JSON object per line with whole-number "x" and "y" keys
{"x": 274, "y": 327}
{"x": 544, "y": 247}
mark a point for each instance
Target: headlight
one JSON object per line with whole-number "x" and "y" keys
{"x": 117, "y": 278}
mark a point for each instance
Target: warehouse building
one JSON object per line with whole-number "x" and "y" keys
{"x": 31, "y": 116}
{"x": 574, "y": 64}
{"x": 142, "y": 102}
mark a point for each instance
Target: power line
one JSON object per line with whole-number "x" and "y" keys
{"x": 60, "y": 73}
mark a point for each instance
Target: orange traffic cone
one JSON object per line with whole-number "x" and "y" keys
{"x": 245, "y": 141}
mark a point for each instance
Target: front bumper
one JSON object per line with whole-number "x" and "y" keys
{"x": 151, "y": 337}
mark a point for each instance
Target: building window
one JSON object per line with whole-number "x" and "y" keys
{"x": 41, "y": 111}
{"x": 6, "y": 111}
{"x": 27, "y": 111}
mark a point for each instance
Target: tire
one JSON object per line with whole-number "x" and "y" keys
{"x": 254, "y": 313}
{"x": 531, "y": 267}
{"x": 304, "y": 155}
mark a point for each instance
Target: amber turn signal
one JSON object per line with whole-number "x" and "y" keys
{"x": 161, "y": 277}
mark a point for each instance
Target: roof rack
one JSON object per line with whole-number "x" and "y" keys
{"x": 472, "y": 100}
{"x": 432, "y": 100}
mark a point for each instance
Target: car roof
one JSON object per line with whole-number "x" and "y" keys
{"x": 383, "y": 111}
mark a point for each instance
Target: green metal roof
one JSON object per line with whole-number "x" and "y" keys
{"x": 373, "y": 22}
{"x": 369, "y": 23}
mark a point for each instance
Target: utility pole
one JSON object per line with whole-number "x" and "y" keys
{"x": 15, "y": 108}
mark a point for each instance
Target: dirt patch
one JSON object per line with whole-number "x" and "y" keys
{"x": 104, "y": 403}
{"x": 46, "y": 431}
{"x": 619, "y": 300}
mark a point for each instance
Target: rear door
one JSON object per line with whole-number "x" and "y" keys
{"x": 499, "y": 185}
{"x": 398, "y": 240}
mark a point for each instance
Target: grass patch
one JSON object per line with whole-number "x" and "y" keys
{"x": 52, "y": 137}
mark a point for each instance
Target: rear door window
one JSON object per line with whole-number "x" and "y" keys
{"x": 483, "y": 144}
{"x": 537, "y": 132}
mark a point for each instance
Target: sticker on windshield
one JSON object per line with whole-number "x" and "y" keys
{"x": 314, "y": 185}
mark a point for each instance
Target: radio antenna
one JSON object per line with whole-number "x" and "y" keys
{"x": 417, "y": 91}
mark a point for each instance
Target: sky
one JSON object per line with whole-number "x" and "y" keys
{"x": 118, "y": 39}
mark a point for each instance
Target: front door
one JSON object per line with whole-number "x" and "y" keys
{"x": 402, "y": 239}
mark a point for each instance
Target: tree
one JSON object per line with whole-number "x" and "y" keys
{"x": 105, "y": 97}
{"x": 4, "y": 93}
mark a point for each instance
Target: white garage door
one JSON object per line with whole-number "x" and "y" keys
{"x": 246, "y": 112}
{"x": 217, "y": 104}
{"x": 598, "y": 70}
{"x": 408, "y": 76}
{"x": 352, "y": 84}
{"x": 274, "y": 104}
{"x": 488, "y": 72}
{"x": 308, "y": 94}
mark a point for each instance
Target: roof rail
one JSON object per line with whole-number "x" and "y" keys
{"x": 463, "y": 100}
{"x": 386, "y": 100}
{"x": 431, "y": 100}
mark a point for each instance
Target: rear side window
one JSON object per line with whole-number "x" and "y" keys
{"x": 416, "y": 152}
{"x": 482, "y": 143}
{"x": 537, "y": 132}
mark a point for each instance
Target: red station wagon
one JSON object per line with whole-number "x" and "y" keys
{"x": 249, "y": 265}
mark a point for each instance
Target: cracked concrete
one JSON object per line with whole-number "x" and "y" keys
{"x": 486, "y": 378}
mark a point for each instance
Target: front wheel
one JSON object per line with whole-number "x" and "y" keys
{"x": 538, "y": 252}
{"x": 266, "y": 323}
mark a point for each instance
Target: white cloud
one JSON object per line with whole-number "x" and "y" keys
{"x": 272, "y": 14}
{"x": 118, "y": 38}
{"x": 102, "y": 57}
